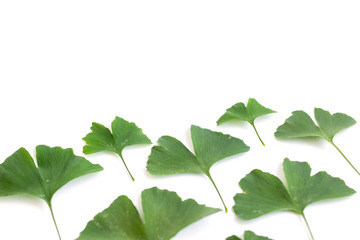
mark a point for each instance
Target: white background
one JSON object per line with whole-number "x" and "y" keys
{"x": 166, "y": 65}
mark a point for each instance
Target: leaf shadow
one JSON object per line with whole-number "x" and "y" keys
{"x": 77, "y": 183}
{"x": 261, "y": 218}
{"x": 263, "y": 118}
{"x": 234, "y": 123}
{"x": 137, "y": 146}
{"x": 311, "y": 141}
{"x": 23, "y": 199}
{"x": 165, "y": 178}
{"x": 188, "y": 141}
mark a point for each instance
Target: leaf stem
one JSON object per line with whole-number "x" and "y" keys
{"x": 307, "y": 225}
{"x": 253, "y": 124}
{"x": 217, "y": 190}
{"x": 53, "y": 217}
{"x": 126, "y": 166}
{"x": 344, "y": 157}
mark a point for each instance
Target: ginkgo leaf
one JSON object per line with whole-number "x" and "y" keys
{"x": 233, "y": 237}
{"x": 165, "y": 214}
{"x": 248, "y": 235}
{"x": 300, "y": 125}
{"x": 123, "y": 134}
{"x": 55, "y": 167}
{"x": 172, "y": 157}
{"x": 248, "y": 113}
{"x": 330, "y": 125}
{"x": 264, "y": 193}
{"x": 120, "y": 220}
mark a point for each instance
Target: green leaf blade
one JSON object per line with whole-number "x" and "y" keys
{"x": 233, "y": 237}
{"x": 256, "y": 110}
{"x": 126, "y": 134}
{"x": 172, "y": 157}
{"x": 249, "y": 113}
{"x": 236, "y": 112}
{"x": 263, "y": 193}
{"x": 330, "y": 125}
{"x": 123, "y": 134}
{"x": 120, "y": 220}
{"x": 211, "y": 147}
{"x": 165, "y": 214}
{"x": 58, "y": 166}
{"x": 306, "y": 189}
{"x": 248, "y": 235}
{"x": 98, "y": 140}
{"x": 19, "y": 175}
{"x": 298, "y": 125}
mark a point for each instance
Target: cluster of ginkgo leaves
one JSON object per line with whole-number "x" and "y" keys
{"x": 164, "y": 213}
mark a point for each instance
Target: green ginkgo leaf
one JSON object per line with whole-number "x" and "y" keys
{"x": 172, "y": 157}
{"x": 264, "y": 193}
{"x": 300, "y": 125}
{"x": 165, "y": 214}
{"x": 248, "y": 113}
{"x": 55, "y": 167}
{"x": 248, "y": 235}
{"x": 233, "y": 237}
{"x": 123, "y": 134}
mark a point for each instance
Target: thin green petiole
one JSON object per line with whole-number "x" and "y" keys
{"x": 332, "y": 143}
{"x": 308, "y": 226}
{"x": 252, "y": 124}
{"x": 53, "y": 217}
{"x": 217, "y": 190}
{"x": 126, "y": 166}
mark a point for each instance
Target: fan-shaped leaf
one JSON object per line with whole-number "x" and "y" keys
{"x": 165, "y": 214}
{"x": 330, "y": 125}
{"x": 123, "y": 134}
{"x": 300, "y": 125}
{"x": 211, "y": 147}
{"x": 56, "y": 167}
{"x": 265, "y": 193}
{"x": 248, "y": 235}
{"x": 120, "y": 220}
{"x": 172, "y": 157}
{"x": 233, "y": 237}
{"x": 239, "y": 112}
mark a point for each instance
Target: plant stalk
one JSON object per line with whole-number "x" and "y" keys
{"x": 53, "y": 217}
{"x": 252, "y": 124}
{"x": 308, "y": 226}
{"x": 126, "y": 166}
{"x": 217, "y": 190}
{"x": 342, "y": 154}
